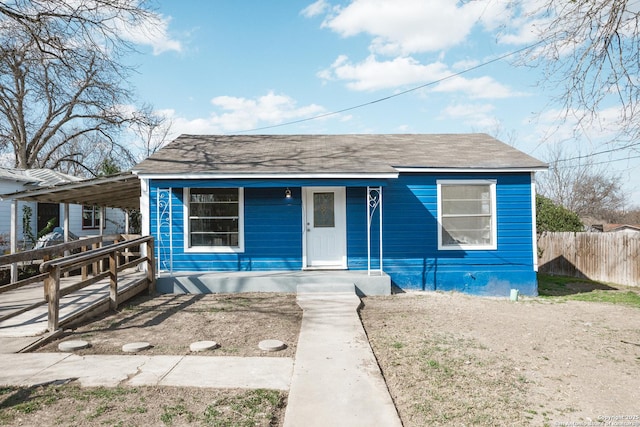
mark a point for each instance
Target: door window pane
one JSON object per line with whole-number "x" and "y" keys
{"x": 323, "y": 210}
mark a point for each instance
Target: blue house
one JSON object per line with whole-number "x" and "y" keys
{"x": 419, "y": 212}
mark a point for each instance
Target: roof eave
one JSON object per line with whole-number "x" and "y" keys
{"x": 471, "y": 169}
{"x": 319, "y": 175}
{"x": 94, "y": 189}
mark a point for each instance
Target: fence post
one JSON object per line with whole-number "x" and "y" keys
{"x": 94, "y": 267}
{"x": 113, "y": 279}
{"x": 83, "y": 269}
{"x": 151, "y": 266}
{"x": 52, "y": 284}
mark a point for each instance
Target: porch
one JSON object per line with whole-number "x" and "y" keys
{"x": 366, "y": 283}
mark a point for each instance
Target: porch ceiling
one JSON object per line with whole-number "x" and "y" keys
{"x": 115, "y": 191}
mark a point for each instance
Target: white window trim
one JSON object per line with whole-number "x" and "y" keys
{"x": 213, "y": 249}
{"x": 494, "y": 214}
{"x": 95, "y": 218}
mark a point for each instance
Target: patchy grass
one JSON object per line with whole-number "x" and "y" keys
{"x": 441, "y": 379}
{"x": 563, "y": 288}
{"x": 72, "y": 405}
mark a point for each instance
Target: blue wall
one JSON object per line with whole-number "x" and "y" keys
{"x": 273, "y": 234}
{"x": 411, "y": 255}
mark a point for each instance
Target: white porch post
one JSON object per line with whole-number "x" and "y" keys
{"x": 102, "y": 221}
{"x": 374, "y": 201}
{"x": 163, "y": 219}
{"x": 14, "y": 238}
{"x": 145, "y": 228}
{"x": 66, "y": 226}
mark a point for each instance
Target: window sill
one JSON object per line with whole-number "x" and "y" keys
{"x": 214, "y": 249}
{"x": 468, "y": 248}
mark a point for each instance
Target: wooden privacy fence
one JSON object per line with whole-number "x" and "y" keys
{"x": 605, "y": 257}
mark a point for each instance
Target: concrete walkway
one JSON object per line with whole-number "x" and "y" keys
{"x": 138, "y": 370}
{"x": 334, "y": 381}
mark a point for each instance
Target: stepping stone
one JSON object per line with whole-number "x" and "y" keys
{"x": 203, "y": 345}
{"x": 271, "y": 345}
{"x": 135, "y": 347}
{"x": 73, "y": 345}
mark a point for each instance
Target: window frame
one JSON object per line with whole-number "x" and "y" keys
{"x": 187, "y": 224}
{"x": 96, "y": 211}
{"x": 493, "y": 220}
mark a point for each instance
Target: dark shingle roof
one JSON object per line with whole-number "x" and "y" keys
{"x": 302, "y": 154}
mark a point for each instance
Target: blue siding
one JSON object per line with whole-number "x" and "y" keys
{"x": 411, "y": 255}
{"x": 273, "y": 233}
{"x": 272, "y": 237}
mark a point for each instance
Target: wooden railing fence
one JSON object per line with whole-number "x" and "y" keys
{"x": 98, "y": 258}
{"x": 605, "y": 257}
{"x": 54, "y": 270}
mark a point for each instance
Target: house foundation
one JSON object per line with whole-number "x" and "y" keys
{"x": 375, "y": 283}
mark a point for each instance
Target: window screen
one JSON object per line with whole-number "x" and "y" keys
{"x": 467, "y": 215}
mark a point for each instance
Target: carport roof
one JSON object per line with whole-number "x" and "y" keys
{"x": 114, "y": 191}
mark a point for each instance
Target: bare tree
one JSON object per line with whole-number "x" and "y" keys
{"x": 591, "y": 49}
{"x": 85, "y": 156}
{"x": 588, "y": 190}
{"x": 57, "y": 26}
{"x": 62, "y": 79}
{"x": 152, "y": 129}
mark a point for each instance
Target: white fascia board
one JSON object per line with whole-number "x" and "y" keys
{"x": 270, "y": 176}
{"x": 473, "y": 170}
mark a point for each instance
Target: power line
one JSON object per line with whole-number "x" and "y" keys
{"x": 603, "y": 162}
{"x": 597, "y": 153}
{"x": 395, "y": 95}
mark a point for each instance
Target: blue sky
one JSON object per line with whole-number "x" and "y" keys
{"x": 233, "y": 66}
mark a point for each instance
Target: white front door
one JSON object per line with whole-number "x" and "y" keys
{"x": 325, "y": 224}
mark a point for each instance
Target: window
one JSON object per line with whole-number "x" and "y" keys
{"x": 467, "y": 214}
{"x": 90, "y": 217}
{"x": 214, "y": 219}
{"x": 323, "y": 210}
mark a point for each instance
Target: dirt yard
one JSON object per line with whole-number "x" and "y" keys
{"x": 170, "y": 323}
{"x": 453, "y": 359}
{"x": 448, "y": 359}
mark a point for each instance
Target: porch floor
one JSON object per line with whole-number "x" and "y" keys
{"x": 376, "y": 283}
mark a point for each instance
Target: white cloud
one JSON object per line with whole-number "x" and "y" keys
{"x": 481, "y": 87}
{"x": 403, "y": 27}
{"x": 465, "y": 64}
{"x": 595, "y": 128}
{"x": 270, "y": 109}
{"x": 315, "y": 9}
{"x": 477, "y": 115}
{"x": 372, "y": 74}
{"x": 154, "y": 32}
{"x": 523, "y": 31}
{"x": 235, "y": 114}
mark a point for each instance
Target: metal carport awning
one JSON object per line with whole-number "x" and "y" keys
{"x": 114, "y": 191}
